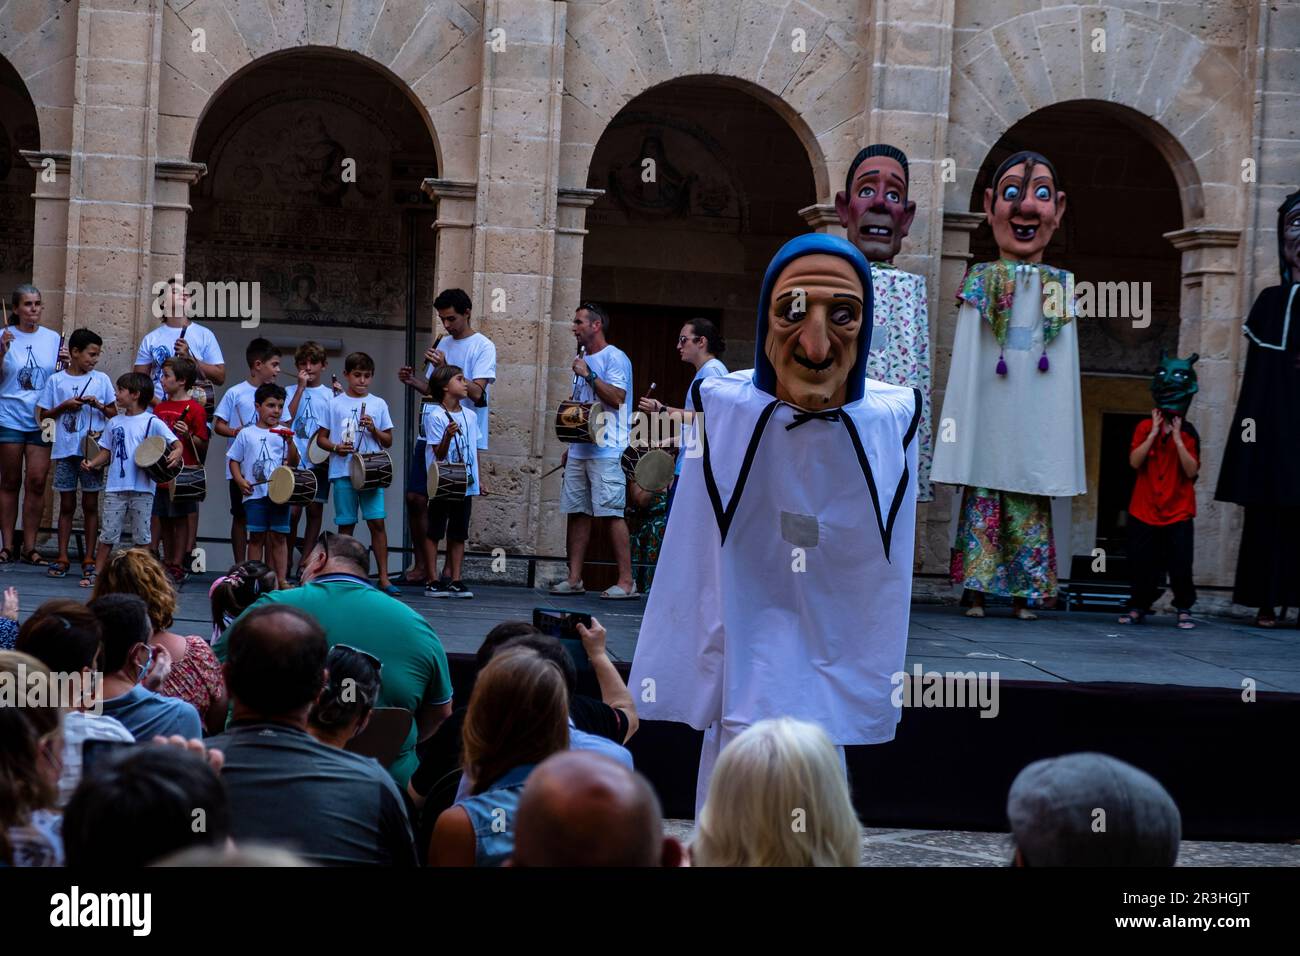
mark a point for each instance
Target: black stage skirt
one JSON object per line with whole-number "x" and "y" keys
{"x": 1268, "y": 566}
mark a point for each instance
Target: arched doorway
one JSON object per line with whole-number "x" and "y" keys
{"x": 18, "y": 131}
{"x": 315, "y": 161}
{"x": 1122, "y": 197}
{"x": 691, "y": 233}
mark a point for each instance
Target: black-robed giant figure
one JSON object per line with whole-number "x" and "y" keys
{"x": 1261, "y": 466}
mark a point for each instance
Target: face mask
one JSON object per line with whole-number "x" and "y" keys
{"x": 1174, "y": 384}
{"x": 148, "y": 664}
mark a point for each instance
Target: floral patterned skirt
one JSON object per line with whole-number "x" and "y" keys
{"x": 646, "y": 533}
{"x": 1004, "y": 544}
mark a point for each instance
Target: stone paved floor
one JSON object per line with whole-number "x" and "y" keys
{"x": 885, "y": 847}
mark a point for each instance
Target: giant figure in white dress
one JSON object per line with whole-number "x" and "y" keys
{"x": 784, "y": 582}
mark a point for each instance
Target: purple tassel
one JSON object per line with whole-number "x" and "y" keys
{"x": 1043, "y": 364}
{"x": 1002, "y": 364}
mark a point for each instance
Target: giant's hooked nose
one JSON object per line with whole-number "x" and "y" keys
{"x": 814, "y": 338}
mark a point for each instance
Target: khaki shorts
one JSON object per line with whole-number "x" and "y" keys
{"x": 593, "y": 486}
{"x": 125, "y": 511}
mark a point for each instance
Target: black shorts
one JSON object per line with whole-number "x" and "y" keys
{"x": 417, "y": 474}
{"x": 236, "y": 500}
{"x": 449, "y": 518}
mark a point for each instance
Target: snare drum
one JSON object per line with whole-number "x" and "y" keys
{"x": 448, "y": 480}
{"x": 292, "y": 486}
{"x": 151, "y": 457}
{"x": 190, "y": 485}
{"x": 370, "y": 471}
{"x": 577, "y": 422}
{"x": 315, "y": 453}
{"x": 651, "y": 468}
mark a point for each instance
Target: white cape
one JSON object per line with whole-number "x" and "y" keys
{"x": 802, "y": 609}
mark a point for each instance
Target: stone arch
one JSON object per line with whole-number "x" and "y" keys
{"x": 1160, "y": 80}
{"x": 817, "y": 82}
{"x": 19, "y": 136}
{"x": 431, "y": 53}
{"x": 42, "y": 47}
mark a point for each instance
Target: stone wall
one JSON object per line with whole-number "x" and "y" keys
{"x": 516, "y": 95}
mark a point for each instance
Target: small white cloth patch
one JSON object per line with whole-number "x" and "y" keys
{"x": 799, "y": 530}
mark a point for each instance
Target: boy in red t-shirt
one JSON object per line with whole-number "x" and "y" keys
{"x": 184, "y": 416}
{"x": 1166, "y": 454}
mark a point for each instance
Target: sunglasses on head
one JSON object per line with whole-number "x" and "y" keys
{"x": 365, "y": 655}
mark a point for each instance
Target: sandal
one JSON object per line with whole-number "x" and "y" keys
{"x": 6, "y": 556}
{"x": 1268, "y": 621}
{"x": 87, "y": 575}
{"x": 1185, "y": 621}
{"x": 975, "y": 610}
{"x": 1024, "y": 614}
{"x": 33, "y": 557}
{"x": 1133, "y": 617}
{"x": 58, "y": 569}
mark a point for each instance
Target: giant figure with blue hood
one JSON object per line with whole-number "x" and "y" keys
{"x": 784, "y": 582}
{"x": 1261, "y": 464}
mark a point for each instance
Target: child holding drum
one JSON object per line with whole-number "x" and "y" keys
{"x": 187, "y": 419}
{"x": 254, "y": 454}
{"x": 356, "y": 436}
{"x": 451, "y": 457}
{"x": 80, "y": 400}
{"x": 138, "y": 447}
{"x": 308, "y": 409}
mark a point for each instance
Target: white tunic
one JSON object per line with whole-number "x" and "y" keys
{"x": 1022, "y": 431}
{"x": 801, "y": 609}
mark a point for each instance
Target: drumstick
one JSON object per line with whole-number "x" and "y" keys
{"x": 427, "y": 364}
{"x": 552, "y": 471}
{"x": 360, "y": 415}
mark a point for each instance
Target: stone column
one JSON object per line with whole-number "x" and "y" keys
{"x": 514, "y": 243}
{"x": 50, "y": 236}
{"x": 171, "y": 211}
{"x": 111, "y": 193}
{"x": 1211, "y": 326}
{"x": 453, "y": 261}
{"x": 821, "y": 217}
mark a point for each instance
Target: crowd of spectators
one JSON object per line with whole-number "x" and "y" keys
{"x": 267, "y": 732}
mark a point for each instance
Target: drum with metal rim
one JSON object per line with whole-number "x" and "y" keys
{"x": 448, "y": 480}
{"x": 578, "y": 422}
{"x": 292, "y": 486}
{"x": 151, "y": 458}
{"x": 190, "y": 485}
{"x": 370, "y": 471}
{"x": 651, "y": 468}
{"x": 205, "y": 393}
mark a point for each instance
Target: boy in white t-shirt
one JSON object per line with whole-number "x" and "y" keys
{"x": 236, "y": 410}
{"x": 80, "y": 401}
{"x": 257, "y": 451}
{"x": 307, "y": 407}
{"x": 451, "y": 431}
{"x": 129, "y": 497}
{"x": 359, "y": 422}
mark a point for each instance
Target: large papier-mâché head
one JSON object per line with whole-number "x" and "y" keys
{"x": 814, "y": 323}
{"x": 874, "y": 209}
{"x": 1024, "y": 206}
{"x": 1174, "y": 383}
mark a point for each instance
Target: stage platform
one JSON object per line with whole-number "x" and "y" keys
{"x": 1211, "y": 713}
{"x": 1060, "y": 647}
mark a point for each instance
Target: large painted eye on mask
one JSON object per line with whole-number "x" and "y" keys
{"x": 1292, "y": 226}
{"x": 788, "y": 314}
{"x": 1042, "y": 193}
{"x": 1010, "y": 192}
{"x": 843, "y": 314}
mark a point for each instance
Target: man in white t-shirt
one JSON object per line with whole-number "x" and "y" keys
{"x": 178, "y": 335}
{"x": 594, "y": 484}
{"x": 476, "y": 355}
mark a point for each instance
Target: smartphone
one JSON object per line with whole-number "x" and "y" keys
{"x": 563, "y": 625}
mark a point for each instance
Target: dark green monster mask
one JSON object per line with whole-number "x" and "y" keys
{"x": 1174, "y": 384}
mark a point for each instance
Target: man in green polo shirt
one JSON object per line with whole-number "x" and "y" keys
{"x": 336, "y": 592}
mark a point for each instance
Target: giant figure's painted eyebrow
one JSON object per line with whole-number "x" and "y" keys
{"x": 847, "y": 295}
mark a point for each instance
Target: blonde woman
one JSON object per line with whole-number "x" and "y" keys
{"x": 778, "y": 797}
{"x": 195, "y": 675}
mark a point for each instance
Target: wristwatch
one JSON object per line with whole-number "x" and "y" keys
{"x": 591, "y": 378}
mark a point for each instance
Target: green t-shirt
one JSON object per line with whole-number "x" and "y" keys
{"x": 414, "y": 674}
